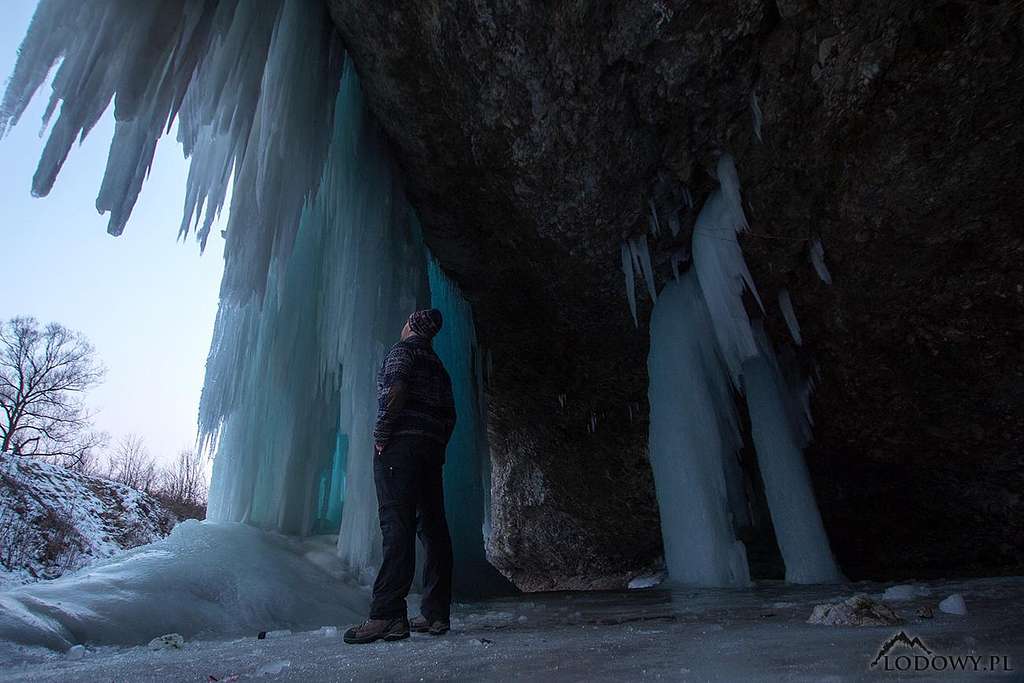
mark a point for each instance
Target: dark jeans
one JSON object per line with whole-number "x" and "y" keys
{"x": 410, "y": 500}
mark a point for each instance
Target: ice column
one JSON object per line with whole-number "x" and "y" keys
{"x": 693, "y": 435}
{"x": 704, "y": 351}
{"x": 291, "y": 379}
{"x": 775, "y": 416}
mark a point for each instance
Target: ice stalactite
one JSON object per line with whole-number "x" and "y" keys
{"x": 630, "y": 276}
{"x": 693, "y": 433}
{"x": 467, "y": 469}
{"x": 776, "y": 418}
{"x": 654, "y": 224}
{"x": 722, "y": 270}
{"x": 789, "y": 315}
{"x": 636, "y": 258}
{"x": 706, "y": 353}
{"x": 817, "y": 256}
{"x": 251, "y": 85}
{"x": 757, "y": 116}
{"x": 290, "y": 381}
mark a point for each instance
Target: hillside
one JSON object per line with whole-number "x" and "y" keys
{"x": 54, "y": 521}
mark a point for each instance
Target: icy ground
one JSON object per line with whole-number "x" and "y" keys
{"x": 705, "y": 634}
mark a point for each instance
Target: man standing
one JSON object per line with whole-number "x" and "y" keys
{"x": 415, "y": 419}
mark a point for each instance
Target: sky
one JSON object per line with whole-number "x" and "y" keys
{"x": 146, "y": 301}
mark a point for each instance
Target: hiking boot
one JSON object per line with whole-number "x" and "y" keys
{"x": 377, "y": 629}
{"x": 437, "y": 627}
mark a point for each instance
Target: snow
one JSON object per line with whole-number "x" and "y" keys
{"x": 218, "y": 579}
{"x": 103, "y": 518}
{"x": 954, "y": 604}
{"x": 639, "y": 582}
{"x": 690, "y": 634}
{"x": 789, "y": 315}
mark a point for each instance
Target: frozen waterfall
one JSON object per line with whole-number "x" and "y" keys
{"x": 324, "y": 258}
{"x": 701, "y": 338}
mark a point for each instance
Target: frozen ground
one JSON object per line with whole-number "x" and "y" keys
{"x": 683, "y": 634}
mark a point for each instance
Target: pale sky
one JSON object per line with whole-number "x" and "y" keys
{"x": 146, "y": 301}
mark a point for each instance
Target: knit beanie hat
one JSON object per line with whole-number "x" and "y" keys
{"x": 426, "y": 323}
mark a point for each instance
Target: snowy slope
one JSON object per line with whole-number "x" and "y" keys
{"x": 54, "y": 520}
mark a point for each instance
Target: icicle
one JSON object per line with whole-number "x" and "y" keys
{"x": 593, "y": 423}
{"x": 673, "y": 223}
{"x": 786, "y": 304}
{"x": 627, "y": 271}
{"x": 251, "y": 84}
{"x": 642, "y": 261}
{"x": 755, "y": 110}
{"x": 688, "y": 197}
{"x": 284, "y": 399}
{"x": 694, "y": 435}
{"x": 817, "y": 255}
{"x": 654, "y": 218}
{"x": 561, "y": 401}
{"x": 722, "y": 270}
{"x": 787, "y": 485}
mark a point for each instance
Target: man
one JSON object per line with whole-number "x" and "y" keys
{"x": 415, "y": 419}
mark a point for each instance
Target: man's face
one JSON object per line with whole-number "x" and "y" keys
{"x": 406, "y": 332}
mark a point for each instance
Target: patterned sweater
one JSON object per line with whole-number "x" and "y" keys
{"x": 414, "y": 394}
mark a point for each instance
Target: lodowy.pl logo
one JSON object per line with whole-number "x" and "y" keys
{"x": 913, "y": 655}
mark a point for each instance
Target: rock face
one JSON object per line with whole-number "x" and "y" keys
{"x": 858, "y": 610}
{"x": 536, "y": 136}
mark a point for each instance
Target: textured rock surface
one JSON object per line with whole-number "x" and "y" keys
{"x": 858, "y": 610}
{"x": 534, "y": 136}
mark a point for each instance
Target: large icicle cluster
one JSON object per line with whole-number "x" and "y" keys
{"x": 705, "y": 351}
{"x": 251, "y": 84}
{"x": 291, "y": 380}
{"x": 324, "y": 258}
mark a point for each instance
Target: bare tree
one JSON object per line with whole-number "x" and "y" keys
{"x": 131, "y": 464}
{"x": 185, "y": 481}
{"x": 44, "y": 373}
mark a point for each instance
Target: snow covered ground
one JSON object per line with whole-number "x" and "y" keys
{"x": 205, "y": 579}
{"x": 681, "y": 634}
{"x": 54, "y": 520}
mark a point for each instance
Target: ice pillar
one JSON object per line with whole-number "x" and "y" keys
{"x": 775, "y": 417}
{"x": 693, "y": 434}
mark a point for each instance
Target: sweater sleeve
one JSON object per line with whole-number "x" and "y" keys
{"x": 392, "y": 389}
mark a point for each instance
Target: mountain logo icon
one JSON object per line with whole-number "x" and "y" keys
{"x": 900, "y": 638}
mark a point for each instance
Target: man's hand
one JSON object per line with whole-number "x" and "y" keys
{"x": 378, "y": 448}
